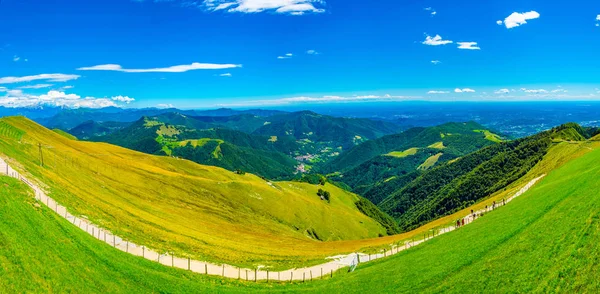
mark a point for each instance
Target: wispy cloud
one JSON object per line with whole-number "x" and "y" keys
{"x": 16, "y": 98}
{"x": 468, "y": 45}
{"x": 48, "y": 77}
{"x": 312, "y": 52}
{"x": 164, "y": 105}
{"x": 38, "y": 86}
{"x": 170, "y": 69}
{"x": 438, "y": 92}
{"x": 225, "y": 75}
{"x": 436, "y": 62}
{"x": 465, "y": 90}
{"x": 502, "y": 91}
{"x": 16, "y": 58}
{"x": 290, "y": 7}
{"x": 534, "y": 91}
{"x": 436, "y": 41}
{"x": 323, "y": 99}
{"x": 517, "y": 19}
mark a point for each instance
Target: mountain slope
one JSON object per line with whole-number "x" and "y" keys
{"x": 453, "y": 138}
{"x": 397, "y": 156}
{"x": 179, "y": 206}
{"x": 336, "y": 131}
{"x": 461, "y": 183}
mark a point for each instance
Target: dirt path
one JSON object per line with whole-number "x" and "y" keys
{"x": 224, "y": 270}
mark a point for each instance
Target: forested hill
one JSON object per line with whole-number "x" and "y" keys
{"x": 230, "y": 149}
{"x": 455, "y": 185}
{"x": 336, "y": 131}
{"x": 454, "y": 138}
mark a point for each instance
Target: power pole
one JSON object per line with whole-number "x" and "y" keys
{"x": 41, "y": 155}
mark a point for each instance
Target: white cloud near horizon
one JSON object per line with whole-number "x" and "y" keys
{"x": 502, "y": 91}
{"x": 437, "y": 40}
{"x": 16, "y": 98}
{"x": 170, "y": 69}
{"x": 468, "y": 45}
{"x": 438, "y": 92}
{"x": 47, "y": 77}
{"x": 164, "y": 105}
{"x": 323, "y": 99}
{"x": 124, "y": 99}
{"x": 290, "y": 7}
{"x": 517, "y": 19}
{"x": 465, "y": 90}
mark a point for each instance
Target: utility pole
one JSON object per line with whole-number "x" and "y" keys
{"x": 41, "y": 155}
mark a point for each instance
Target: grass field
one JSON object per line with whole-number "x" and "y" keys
{"x": 544, "y": 241}
{"x": 178, "y": 206}
{"x": 431, "y": 161}
{"x": 405, "y": 153}
{"x": 205, "y": 212}
{"x": 490, "y": 136}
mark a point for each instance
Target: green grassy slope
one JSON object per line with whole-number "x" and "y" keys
{"x": 176, "y": 205}
{"x": 41, "y": 252}
{"x": 544, "y": 241}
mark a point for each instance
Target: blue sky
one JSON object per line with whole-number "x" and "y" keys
{"x": 206, "y": 53}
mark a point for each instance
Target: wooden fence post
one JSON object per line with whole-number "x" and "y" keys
{"x": 205, "y": 269}
{"x": 255, "y": 275}
{"x": 223, "y": 271}
{"x": 189, "y": 264}
{"x": 303, "y": 277}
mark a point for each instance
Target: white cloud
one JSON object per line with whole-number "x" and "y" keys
{"x": 47, "y": 77}
{"x": 436, "y": 41}
{"x": 171, "y": 69}
{"x": 598, "y": 17}
{"x": 468, "y": 45}
{"x": 324, "y": 99}
{"x": 436, "y": 62}
{"x": 517, "y": 19}
{"x": 38, "y": 86}
{"x": 502, "y": 91}
{"x": 286, "y": 56}
{"x": 433, "y": 12}
{"x": 225, "y": 75}
{"x": 291, "y": 7}
{"x": 437, "y": 92}
{"x": 534, "y": 91}
{"x": 16, "y": 98}
{"x": 163, "y": 105}
{"x": 3, "y": 89}
{"x": 465, "y": 90}
{"x": 499, "y": 22}
{"x": 312, "y": 52}
{"x": 124, "y": 99}
{"x": 16, "y": 58}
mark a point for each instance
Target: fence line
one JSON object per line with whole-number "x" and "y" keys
{"x": 224, "y": 270}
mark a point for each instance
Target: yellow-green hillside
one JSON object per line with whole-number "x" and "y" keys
{"x": 176, "y": 205}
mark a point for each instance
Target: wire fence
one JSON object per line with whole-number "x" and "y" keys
{"x": 351, "y": 261}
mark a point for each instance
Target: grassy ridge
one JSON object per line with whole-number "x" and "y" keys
{"x": 176, "y": 205}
